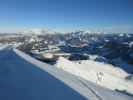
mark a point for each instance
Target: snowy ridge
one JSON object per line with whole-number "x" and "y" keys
{"x": 104, "y": 75}
{"x": 85, "y": 88}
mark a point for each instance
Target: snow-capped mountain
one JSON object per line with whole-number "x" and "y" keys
{"x": 37, "y": 31}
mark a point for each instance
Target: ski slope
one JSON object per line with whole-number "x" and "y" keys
{"x": 25, "y": 78}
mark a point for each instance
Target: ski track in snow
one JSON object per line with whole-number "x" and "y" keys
{"x": 89, "y": 88}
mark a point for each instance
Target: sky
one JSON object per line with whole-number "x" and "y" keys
{"x": 67, "y": 15}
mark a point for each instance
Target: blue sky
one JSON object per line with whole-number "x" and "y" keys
{"x": 67, "y": 15}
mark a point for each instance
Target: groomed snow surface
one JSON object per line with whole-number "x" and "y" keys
{"x": 25, "y": 78}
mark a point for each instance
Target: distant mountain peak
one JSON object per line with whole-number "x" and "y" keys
{"x": 37, "y": 31}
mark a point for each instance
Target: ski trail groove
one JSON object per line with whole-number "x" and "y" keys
{"x": 97, "y": 96}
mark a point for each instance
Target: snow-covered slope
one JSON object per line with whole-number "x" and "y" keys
{"x": 85, "y": 88}
{"x": 99, "y": 73}
{"x": 25, "y": 78}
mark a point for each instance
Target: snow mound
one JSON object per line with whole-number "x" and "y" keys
{"x": 99, "y": 73}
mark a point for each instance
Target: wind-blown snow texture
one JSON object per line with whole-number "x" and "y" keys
{"x": 24, "y": 78}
